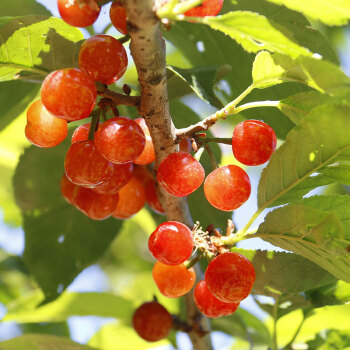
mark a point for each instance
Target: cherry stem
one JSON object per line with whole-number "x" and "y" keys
{"x": 124, "y": 39}
{"x": 95, "y": 117}
{"x": 193, "y": 260}
{"x": 224, "y": 140}
{"x": 212, "y": 158}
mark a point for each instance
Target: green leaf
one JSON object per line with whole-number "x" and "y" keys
{"x": 319, "y": 140}
{"x": 315, "y": 234}
{"x": 270, "y": 69}
{"x": 41, "y": 342}
{"x": 332, "y": 339}
{"x": 201, "y": 80}
{"x": 284, "y": 273}
{"x": 330, "y": 12}
{"x": 33, "y": 46}
{"x": 56, "y": 234}
{"x": 67, "y": 305}
{"x": 255, "y": 33}
{"x": 22, "y": 8}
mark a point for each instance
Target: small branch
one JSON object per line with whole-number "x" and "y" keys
{"x": 117, "y": 98}
{"x": 274, "y": 334}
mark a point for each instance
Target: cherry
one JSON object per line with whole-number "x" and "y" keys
{"x": 185, "y": 145}
{"x": 173, "y": 281}
{"x": 152, "y": 197}
{"x": 227, "y": 187}
{"x": 171, "y": 243}
{"x": 120, "y": 140}
{"x": 230, "y": 277}
{"x": 67, "y": 189}
{"x": 117, "y": 15}
{"x": 207, "y": 8}
{"x": 84, "y": 165}
{"x": 152, "y": 321}
{"x": 43, "y": 129}
{"x": 121, "y": 176}
{"x": 96, "y": 206}
{"x": 253, "y": 142}
{"x": 69, "y": 94}
{"x": 132, "y": 198}
{"x": 78, "y": 13}
{"x": 209, "y": 305}
{"x": 147, "y": 156}
{"x": 81, "y": 133}
{"x": 180, "y": 174}
{"x": 103, "y": 58}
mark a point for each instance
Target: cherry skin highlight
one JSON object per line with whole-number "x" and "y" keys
{"x": 147, "y": 156}
{"x": 103, "y": 58}
{"x": 173, "y": 281}
{"x": 227, "y": 187}
{"x": 117, "y": 15}
{"x": 171, "y": 243}
{"x": 120, "y": 140}
{"x": 43, "y": 129}
{"x": 230, "y": 277}
{"x": 84, "y": 165}
{"x": 69, "y": 94}
{"x": 180, "y": 174}
{"x": 209, "y": 305}
{"x": 132, "y": 198}
{"x": 76, "y": 15}
{"x": 253, "y": 142}
{"x": 152, "y": 321}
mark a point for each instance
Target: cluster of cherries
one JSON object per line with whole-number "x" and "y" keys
{"x": 105, "y": 171}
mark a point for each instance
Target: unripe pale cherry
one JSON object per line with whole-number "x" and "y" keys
{"x": 227, "y": 187}
{"x": 43, "y": 129}
{"x": 84, "y": 165}
{"x": 209, "y": 305}
{"x": 230, "y": 277}
{"x": 120, "y": 140}
{"x": 180, "y": 174}
{"x": 147, "y": 156}
{"x": 117, "y": 15}
{"x": 171, "y": 243}
{"x": 69, "y": 94}
{"x": 76, "y": 14}
{"x": 173, "y": 281}
{"x": 152, "y": 321}
{"x": 103, "y": 58}
{"x": 253, "y": 142}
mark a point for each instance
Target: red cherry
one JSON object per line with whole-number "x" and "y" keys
{"x": 121, "y": 176}
{"x": 147, "y": 156}
{"x": 173, "y": 281}
{"x": 69, "y": 94}
{"x": 185, "y": 145}
{"x": 84, "y": 165}
{"x": 67, "y": 189}
{"x": 180, "y": 174}
{"x": 81, "y": 133}
{"x": 209, "y": 305}
{"x": 253, "y": 142}
{"x": 207, "y": 8}
{"x": 227, "y": 187}
{"x": 94, "y": 205}
{"x": 78, "y": 15}
{"x": 152, "y": 321}
{"x": 171, "y": 243}
{"x": 132, "y": 198}
{"x": 117, "y": 15}
{"x": 120, "y": 140}
{"x": 103, "y": 58}
{"x": 152, "y": 197}
{"x": 43, "y": 129}
{"x": 230, "y": 277}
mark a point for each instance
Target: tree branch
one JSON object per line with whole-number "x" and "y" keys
{"x": 148, "y": 50}
{"x": 117, "y": 98}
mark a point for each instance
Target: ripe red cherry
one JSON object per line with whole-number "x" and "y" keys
{"x": 171, "y": 243}
{"x": 69, "y": 94}
{"x": 253, "y": 142}
{"x": 209, "y": 305}
{"x": 67, "y": 189}
{"x": 121, "y": 176}
{"x": 84, "y": 165}
{"x": 147, "y": 156}
{"x": 117, "y": 15}
{"x": 173, "y": 281}
{"x": 103, "y": 58}
{"x": 76, "y": 14}
{"x": 152, "y": 321}
{"x": 43, "y": 129}
{"x": 207, "y": 8}
{"x": 94, "y": 205}
{"x": 120, "y": 140}
{"x": 230, "y": 277}
{"x": 132, "y": 198}
{"x": 81, "y": 133}
{"x": 180, "y": 174}
{"x": 152, "y": 197}
{"x": 227, "y": 187}
{"x": 185, "y": 145}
